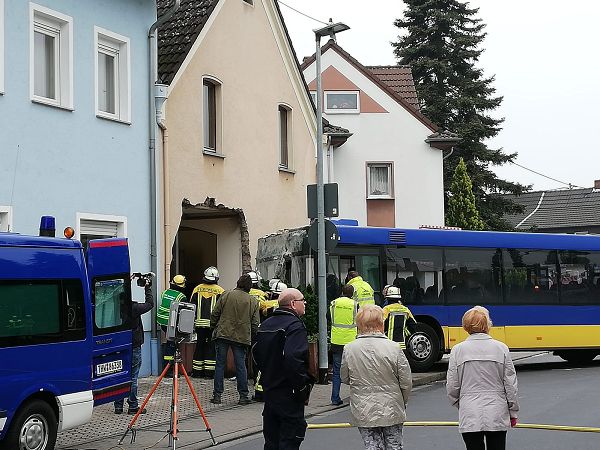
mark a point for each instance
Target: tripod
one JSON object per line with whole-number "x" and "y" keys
{"x": 172, "y": 432}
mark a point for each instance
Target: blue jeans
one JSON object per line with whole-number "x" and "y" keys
{"x": 239, "y": 356}
{"x": 136, "y": 363}
{"x": 336, "y": 381}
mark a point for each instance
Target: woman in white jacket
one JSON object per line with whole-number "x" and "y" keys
{"x": 482, "y": 384}
{"x": 380, "y": 382}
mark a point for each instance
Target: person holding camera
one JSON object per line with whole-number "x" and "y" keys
{"x": 137, "y": 309}
{"x": 281, "y": 354}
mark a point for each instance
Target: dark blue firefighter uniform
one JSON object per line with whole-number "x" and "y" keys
{"x": 281, "y": 354}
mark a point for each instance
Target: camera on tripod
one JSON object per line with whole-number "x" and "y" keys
{"x": 180, "y": 327}
{"x": 143, "y": 279}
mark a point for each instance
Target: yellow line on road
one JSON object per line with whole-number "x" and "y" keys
{"x": 534, "y": 426}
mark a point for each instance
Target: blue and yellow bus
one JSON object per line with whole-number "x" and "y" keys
{"x": 542, "y": 290}
{"x": 65, "y": 334}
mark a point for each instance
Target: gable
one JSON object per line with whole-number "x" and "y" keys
{"x": 333, "y": 80}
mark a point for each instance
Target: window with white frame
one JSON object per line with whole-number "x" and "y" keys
{"x": 211, "y": 114}
{"x": 337, "y": 102}
{"x": 99, "y": 226}
{"x": 285, "y": 127}
{"x": 113, "y": 81}
{"x": 1, "y": 46}
{"x": 380, "y": 180}
{"x": 313, "y": 95}
{"x": 51, "y": 57}
{"x": 5, "y": 218}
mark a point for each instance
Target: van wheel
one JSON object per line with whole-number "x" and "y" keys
{"x": 33, "y": 427}
{"x": 423, "y": 348}
{"x": 577, "y": 356}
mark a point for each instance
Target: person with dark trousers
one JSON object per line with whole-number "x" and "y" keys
{"x": 137, "y": 309}
{"x": 482, "y": 383}
{"x": 235, "y": 320}
{"x": 281, "y": 354}
{"x": 173, "y": 294}
{"x": 205, "y": 296}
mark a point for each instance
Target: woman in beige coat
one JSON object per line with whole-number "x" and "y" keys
{"x": 482, "y": 384}
{"x": 380, "y": 382}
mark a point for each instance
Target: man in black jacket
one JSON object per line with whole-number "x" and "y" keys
{"x": 137, "y": 309}
{"x": 281, "y": 354}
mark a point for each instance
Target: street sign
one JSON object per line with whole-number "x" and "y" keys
{"x": 331, "y": 235}
{"x": 331, "y": 200}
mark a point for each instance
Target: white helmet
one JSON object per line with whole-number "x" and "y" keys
{"x": 254, "y": 276}
{"x": 278, "y": 287}
{"x": 211, "y": 274}
{"x": 393, "y": 292}
{"x": 273, "y": 282}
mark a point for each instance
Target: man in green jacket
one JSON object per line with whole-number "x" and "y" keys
{"x": 235, "y": 320}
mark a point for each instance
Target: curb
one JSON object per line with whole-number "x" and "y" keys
{"x": 251, "y": 431}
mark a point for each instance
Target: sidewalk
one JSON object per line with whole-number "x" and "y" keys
{"x": 228, "y": 420}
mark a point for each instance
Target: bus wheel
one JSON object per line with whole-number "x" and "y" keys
{"x": 577, "y": 356}
{"x": 33, "y": 427}
{"x": 423, "y": 348}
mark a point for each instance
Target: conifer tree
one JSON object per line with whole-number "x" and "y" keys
{"x": 462, "y": 211}
{"x": 441, "y": 41}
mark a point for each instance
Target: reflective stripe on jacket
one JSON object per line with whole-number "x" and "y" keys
{"x": 396, "y": 317}
{"x": 363, "y": 292}
{"x": 343, "y": 320}
{"x": 205, "y": 297}
{"x": 168, "y": 296}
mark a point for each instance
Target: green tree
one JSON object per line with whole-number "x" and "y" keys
{"x": 440, "y": 40}
{"x": 462, "y": 211}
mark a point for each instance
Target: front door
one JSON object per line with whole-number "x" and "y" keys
{"x": 109, "y": 274}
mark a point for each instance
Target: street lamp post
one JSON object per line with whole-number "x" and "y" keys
{"x": 330, "y": 30}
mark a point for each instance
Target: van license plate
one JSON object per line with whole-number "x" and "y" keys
{"x": 109, "y": 367}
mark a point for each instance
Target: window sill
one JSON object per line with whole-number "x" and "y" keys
{"x": 386, "y": 197}
{"x": 341, "y": 111}
{"x": 213, "y": 153}
{"x": 287, "y": 170}
{"x": 41, "y": 101}
{"x": 112, "y": 119}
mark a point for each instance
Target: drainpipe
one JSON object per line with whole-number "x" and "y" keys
{"x": 166, "y": 194}
{"x": 154, "y": 163}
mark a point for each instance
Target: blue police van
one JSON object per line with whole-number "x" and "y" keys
{"x": 65, "y": 333}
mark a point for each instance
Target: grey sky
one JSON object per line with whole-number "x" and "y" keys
{"x": 545, "y": 55}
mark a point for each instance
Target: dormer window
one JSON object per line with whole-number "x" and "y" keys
{"x": 340, "y": 102}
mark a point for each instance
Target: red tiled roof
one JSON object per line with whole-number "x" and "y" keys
{"x": 399, "y": 79}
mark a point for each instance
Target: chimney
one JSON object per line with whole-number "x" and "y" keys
{"x": 597, "y": 184}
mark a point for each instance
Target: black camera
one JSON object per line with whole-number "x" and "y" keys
{"x": 143, "y": 279}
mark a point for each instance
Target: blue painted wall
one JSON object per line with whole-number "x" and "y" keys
{"x": 59, "y": 162}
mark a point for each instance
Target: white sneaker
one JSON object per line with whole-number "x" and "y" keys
{"x": 232, "y": 378}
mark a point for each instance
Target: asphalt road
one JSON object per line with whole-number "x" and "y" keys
{"x": 551, "y": 391}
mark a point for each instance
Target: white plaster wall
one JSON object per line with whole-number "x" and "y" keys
{"x": 395, "y": 136}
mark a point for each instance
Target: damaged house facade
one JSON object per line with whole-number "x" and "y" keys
{"x": 239, "y": 135}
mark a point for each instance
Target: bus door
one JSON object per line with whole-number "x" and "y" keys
{"x": 108, "y": 271}
{"x": 366, "y": 261}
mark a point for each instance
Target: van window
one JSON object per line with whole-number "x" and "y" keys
{"x": 112, "y": 304}
{"x": 40, "y": 311}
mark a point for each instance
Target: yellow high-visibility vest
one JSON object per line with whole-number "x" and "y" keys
{"x": 205, "y": 297}
{"x": 392, "y": 314}
{"x": 363, "y": 292}
{"x": 343, "y": 320}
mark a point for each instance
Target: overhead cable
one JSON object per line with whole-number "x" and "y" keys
{"x": 303, "y": 14}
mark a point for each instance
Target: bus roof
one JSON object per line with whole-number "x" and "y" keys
{"x": 19, "y": 240}
{"x": 463, "y": 238}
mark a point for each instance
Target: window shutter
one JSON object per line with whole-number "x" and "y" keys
{"x": 98, "y": 228}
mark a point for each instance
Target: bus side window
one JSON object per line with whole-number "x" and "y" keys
{"x": 530, "y": 276}
{"x": 473, "y": 276}
{"x": 417, "y": 272}
{"x": 579, "y": 277}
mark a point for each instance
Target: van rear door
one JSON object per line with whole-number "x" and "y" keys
{"x": 110, "y": 285}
